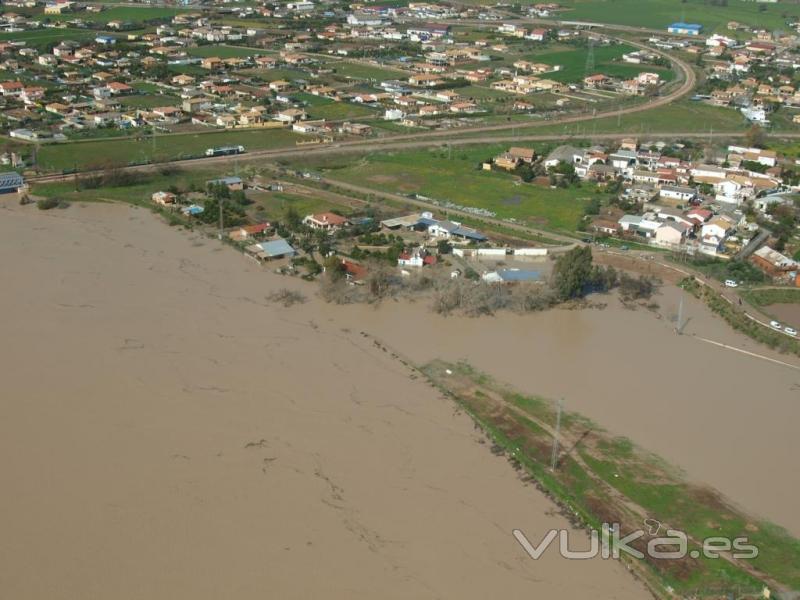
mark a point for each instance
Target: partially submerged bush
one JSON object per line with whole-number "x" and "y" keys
{"x": 287, "y": 297}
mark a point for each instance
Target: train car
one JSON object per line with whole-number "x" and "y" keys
{"x": 225, "y": 151}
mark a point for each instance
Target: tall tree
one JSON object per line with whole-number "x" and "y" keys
{"x": 572, "y": 273}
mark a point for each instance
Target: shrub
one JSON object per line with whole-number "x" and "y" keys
{"x": 47, "y": 203}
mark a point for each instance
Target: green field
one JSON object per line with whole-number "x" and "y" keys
{"x": 682, "y": 116}
{"x": 146, "y": 101}
{"x": 272, "y": 74}
{"x": 134, "y": 194}
{"x": 223, "y": 51}
{"x": 129, "y": 14}
{"x": 361, "y": 71}
{"x": 331, "y": 110}
{"x": 458, "y": 179}
{"x": 607, "y": 60}
{"x": 39, "y": 38}
{"x": 98, "y": 154}
{"x": 275, "y": 204}
{"x": 765, "y": 297}
{"x": 658, "y": 14}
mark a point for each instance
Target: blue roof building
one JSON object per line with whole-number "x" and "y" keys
{"x": 685, "y": 28}
{"x": 279, "y": 248}
{"x": 10, "y": 182}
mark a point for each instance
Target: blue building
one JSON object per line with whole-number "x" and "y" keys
{"x": 106, "y": 40}
{"x": 685, "y": 28}
{"x": 11, "y": 182}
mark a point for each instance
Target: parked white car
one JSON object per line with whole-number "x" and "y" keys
{"x": 775, "y": 325}
{"x": 731, "y": 283}
{"x": 791, "y": 332}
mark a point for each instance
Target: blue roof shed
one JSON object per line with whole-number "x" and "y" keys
{"x": 10, "y": 182}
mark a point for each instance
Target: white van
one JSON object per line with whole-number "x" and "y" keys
{"x": 731, "y": 283}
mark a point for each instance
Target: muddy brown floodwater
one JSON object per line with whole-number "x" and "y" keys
{"x": 167, "y": 433}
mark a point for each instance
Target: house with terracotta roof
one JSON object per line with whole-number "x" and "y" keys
{"x": 246, "y": 232}
{"x": 326, "y": 221}
{"x": 116, "y": 88}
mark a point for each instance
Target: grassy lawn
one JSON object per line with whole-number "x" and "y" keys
{"x": 481, "y": 92}
{"x": 658, "y": 14}
{"x": 97, "y": 154}
{"x": 458, "y": 179}
{"x": 275, "y": 204}
{"x": 146, "y": 101}
{"x": 331, "y": 110}
{"x": 146, "y": 87}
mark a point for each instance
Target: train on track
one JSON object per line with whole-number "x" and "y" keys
{"x": 225, "y": 151}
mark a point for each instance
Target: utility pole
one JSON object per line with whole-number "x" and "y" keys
{"x": 554, "y": 458}
{"x": 221, "y": 202}
{"x": 679, "y": 326}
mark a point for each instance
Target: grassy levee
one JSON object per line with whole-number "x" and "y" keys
{"x": 602, "y": 478}
{"x": 765, "y": 297}
{"x": 739, "y": 320}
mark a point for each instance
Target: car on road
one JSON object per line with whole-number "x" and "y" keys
{"x": 731, "y": 283}
{"x": 791, "y": 332}
{"x": 623, "y": 247}
{"x": 776, "y": 325}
